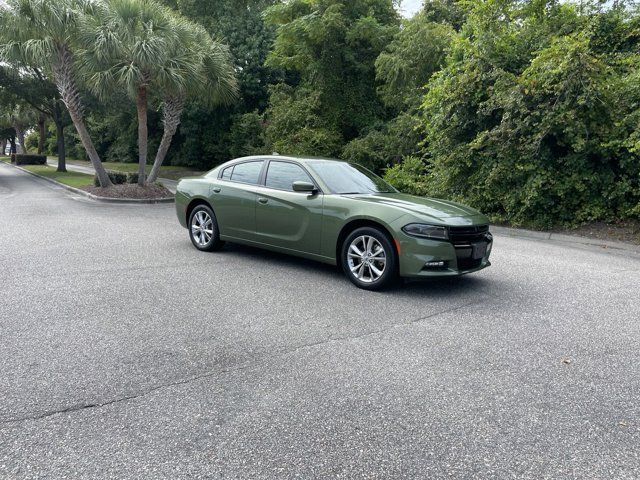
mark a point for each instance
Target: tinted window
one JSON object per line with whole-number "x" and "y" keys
{"x": 282, "y": 175}
{"x": 226, "y": 174}
{"x": 345, "y": 178}
{"x": 247, "y": 172}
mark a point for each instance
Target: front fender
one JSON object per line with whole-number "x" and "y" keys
{"x": 340, "y": 211}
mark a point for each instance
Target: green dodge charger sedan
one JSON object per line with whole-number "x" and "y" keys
{"x": 334, "y": 212}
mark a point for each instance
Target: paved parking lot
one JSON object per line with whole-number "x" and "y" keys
{"x": 125, "y": 353}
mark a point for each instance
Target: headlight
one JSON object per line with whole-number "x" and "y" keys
{"x": 426, "y": 231}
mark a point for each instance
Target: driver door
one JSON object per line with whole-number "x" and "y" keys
{"x": 284, "y": 218}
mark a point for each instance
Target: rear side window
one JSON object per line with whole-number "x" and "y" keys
{"x": 226, "y": 174}
{"x": 281, "y": 175}
{"x": 247, "y": 172}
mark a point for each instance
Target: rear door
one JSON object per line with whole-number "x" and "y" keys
{"x": 285, "y": 218}
{"x": 234, "y": 199}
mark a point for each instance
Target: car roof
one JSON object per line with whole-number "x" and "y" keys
{"x": 296, "y": 158}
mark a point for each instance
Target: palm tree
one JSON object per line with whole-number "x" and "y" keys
{"x": 145, "y": 49}
{"x": 124, "y": 49}
{"x": 197, "y": 66}
{"x": 43, "y": 33}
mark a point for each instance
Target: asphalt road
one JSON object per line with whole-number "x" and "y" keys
{"x": 125, "y": 353}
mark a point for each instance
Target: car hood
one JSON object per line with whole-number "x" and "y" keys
{"x": 432, "y": 207}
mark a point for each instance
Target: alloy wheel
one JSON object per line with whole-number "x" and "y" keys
{"x": 202, "y": 228}
{"x": 367, "y": 259}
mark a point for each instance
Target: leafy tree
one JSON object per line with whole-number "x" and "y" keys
{"x": 296, "y": 125}
{"x": 449, "y": 12}
{"x": 408, "y": 61}
{"x": 521, "y": 119}
{"x": 20, "y": 117}
{"x": 332, "y": 45}
{"x": 247, "y": 135}
{"x": 33, "y": 88}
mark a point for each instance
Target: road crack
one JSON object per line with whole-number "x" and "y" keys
{"x": 280, "y": 353}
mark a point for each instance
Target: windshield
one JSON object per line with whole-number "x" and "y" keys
{"x": 348, "y": 178}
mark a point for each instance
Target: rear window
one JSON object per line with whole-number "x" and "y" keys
{"x": 248, "y": 172}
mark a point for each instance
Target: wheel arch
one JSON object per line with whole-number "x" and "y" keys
{"x": 193, "y": 203}
{"x": 356, "y": 223}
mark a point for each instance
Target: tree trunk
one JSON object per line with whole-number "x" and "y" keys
{"x": 42, "y": 134}
{"x": 62, "y": 152}
{"x": 171, "y": 113}
{"x": 4, "y": 146}
{"x": 60, "y": 142}
{"x": 63, "y": 74}
{"x": 20, "y": 136}
{"x": 143, "y": 133}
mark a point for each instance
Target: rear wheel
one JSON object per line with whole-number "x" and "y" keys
{"x": 203, "y": 229}
{"x": 369, "y": 259}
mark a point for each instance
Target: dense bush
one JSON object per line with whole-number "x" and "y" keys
{"x": 119, "y": 178}
{"x": 296, "y": 126}
{"x": 529, "y": 131}
{"x": 24, "y": 159}
{"x": 246, "y": 136}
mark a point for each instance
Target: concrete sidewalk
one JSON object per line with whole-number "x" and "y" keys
{"x": 88, "y": 169}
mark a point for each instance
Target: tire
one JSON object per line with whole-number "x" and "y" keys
{"x": 369, "y": 259}
{"x": 205, "y": 239}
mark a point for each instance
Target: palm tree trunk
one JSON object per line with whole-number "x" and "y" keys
{"x": 63, "y": 74}
{"x": 41, "y": 134}
{"x": 171, "y": 113}
{"x": 62, "y": 152}
{"x": 143, "y": 133}
{"x": 60, "y": 143}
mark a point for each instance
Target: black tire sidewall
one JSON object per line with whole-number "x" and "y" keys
{"x": 214, "y": 243}
{"x": 390, "y": 274}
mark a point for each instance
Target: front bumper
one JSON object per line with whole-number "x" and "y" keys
{"x": 416, "y": 253}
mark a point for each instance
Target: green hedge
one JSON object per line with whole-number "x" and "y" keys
{"x": 20, "y": 159}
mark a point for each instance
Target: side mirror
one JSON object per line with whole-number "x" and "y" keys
{"x": 306, "y": 187}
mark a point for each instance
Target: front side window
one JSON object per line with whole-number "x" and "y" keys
{"x": 349, "y": 178}
{"x": 282, "y": 175}
{"x": 248, "y": 172}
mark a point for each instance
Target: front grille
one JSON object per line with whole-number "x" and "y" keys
{"x": 463, "y": 239}
{"x": 467, "y": 235}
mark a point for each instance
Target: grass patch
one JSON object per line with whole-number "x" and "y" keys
{"x": 5, "y": 159}
{"x": 167, "y": 171}
{"x": 72, "y": 179}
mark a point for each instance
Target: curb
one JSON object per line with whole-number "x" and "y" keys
{"x": 121, "y": 201}
{"x": 564, "y": 238}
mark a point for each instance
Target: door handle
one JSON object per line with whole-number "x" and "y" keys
{"x": 216, "y": 189}
{"x": 263, "y": 201}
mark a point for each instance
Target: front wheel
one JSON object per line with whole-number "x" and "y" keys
{"x": 369, "y": 259}
{"x": 203, "y": 229}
